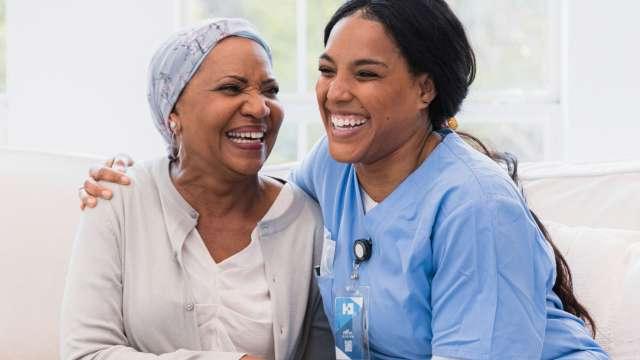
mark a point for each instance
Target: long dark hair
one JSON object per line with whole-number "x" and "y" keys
{"x": 433, "y": 41}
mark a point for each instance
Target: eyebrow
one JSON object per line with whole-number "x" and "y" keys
{"x": 358, "y": 62}
{"x": 245, "y": 81}
{"x": 236, "y": 77}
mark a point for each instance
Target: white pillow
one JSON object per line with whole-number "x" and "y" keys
{"x": 605, "y": 264}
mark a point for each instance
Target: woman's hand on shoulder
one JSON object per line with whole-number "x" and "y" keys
{"x": 113, "y": 170}
{"x": 250, "y": 357}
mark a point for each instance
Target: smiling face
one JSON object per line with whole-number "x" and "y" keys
{"x": 372, "y": 106}
{"x": 228, "y": 114}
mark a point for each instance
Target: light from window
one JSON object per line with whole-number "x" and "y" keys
{"x": 3, "y": 41}
{"x": 4, "y": 124}
{"x": 513, "y": 44}
{"x": 511, "y": 41}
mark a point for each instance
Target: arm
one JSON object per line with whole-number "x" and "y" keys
{"x": 488, "y": 293}
{"x": 316, "y": 341}
{"x": 91, "y": 322}
{"x": 317, "y": 338}
{"x": 310, "y": 169}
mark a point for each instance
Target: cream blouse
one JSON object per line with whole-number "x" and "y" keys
{"x": 232, "y": 301}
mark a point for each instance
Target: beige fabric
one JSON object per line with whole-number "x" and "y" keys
{"x": 593, "y": 214}
{"x": 39, "y": 212}
{"x": 594, "y": 195}
{"x": 606, "y": 273}
{"x": 126, "y": 295}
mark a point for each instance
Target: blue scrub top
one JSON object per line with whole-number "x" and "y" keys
{"x": 459, "y": 268}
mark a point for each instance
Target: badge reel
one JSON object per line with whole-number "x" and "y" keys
{"x": 351, "y": 310}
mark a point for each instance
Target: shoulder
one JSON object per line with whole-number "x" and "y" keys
{"x": 302, "y": 220}
{"x": 143, "y": 187}
{"x": 318, "y": 171}
{"x": 308, "y": 207}
{"x": 467, "y": 176}
{"x": 319, "y": 154}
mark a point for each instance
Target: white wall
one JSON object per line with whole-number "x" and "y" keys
{"x": 77, "y": 74}
{"x": 602, "y": 89}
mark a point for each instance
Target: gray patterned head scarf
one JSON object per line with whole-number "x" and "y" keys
{"x": 178, "y": 59}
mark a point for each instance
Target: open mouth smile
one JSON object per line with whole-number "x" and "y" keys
{"x": 347, "y": 125}
{"x": 248, "y": 137}
{"x": 348, "y": 121}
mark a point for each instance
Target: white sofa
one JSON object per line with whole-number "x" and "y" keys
{"x": 593, "y": 212}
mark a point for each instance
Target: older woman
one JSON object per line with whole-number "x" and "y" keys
{"x": 201, "y": 258}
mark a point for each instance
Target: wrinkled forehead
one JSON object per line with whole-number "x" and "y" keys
{"x": 237, "y": 55}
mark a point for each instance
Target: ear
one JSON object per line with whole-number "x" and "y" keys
{"x": 427, "y": 90}
{"x": 174, "y": 118}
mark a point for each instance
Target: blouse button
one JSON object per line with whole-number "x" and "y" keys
{"x": 189, "y": 307}
{"x": 281, "y": 330}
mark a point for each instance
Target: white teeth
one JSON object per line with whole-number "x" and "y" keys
{"x": 347, "y": 121}
{"x": 246, "y": 135}
{"x": 245, "y": 141}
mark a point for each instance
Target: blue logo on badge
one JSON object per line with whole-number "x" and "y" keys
{"x": 349, "y": 323}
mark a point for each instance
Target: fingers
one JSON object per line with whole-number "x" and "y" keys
{"x": 86, "y": 200}
{"x": 93, "y": 189}
{"x": 120, "y": 162}
{"x": 112, "y": 171}
{"x": 108, "y": 174}
{"x": 120, "y": 165}
{"x": 124, "y": 159}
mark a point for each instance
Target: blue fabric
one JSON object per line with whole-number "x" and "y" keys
{"x": 459, "y": 268}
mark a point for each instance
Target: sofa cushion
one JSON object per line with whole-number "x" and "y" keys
{"x": 39, "y": 211}
{"x": 605, "y": 264}
{"x": 595, "y": 195}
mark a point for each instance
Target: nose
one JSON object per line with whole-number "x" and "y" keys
{"x": 339, "y": 90}
{"x": 256, "y": 106}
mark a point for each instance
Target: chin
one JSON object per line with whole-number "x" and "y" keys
{"x": 246, "y": 167}
{"x": 344, "y": 153}
{"x": 248, "y": 170}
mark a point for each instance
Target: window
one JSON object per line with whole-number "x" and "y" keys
{"x": 3, "y": 76}
{"x": 512, "y": 104}
{"x": 3, "y": 39}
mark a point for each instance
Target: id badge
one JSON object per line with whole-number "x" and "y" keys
{"x": 351, "y": 323}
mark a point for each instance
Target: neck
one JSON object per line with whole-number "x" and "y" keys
{"x": 216, "y": 193}
{"x": 382, "y": 176}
